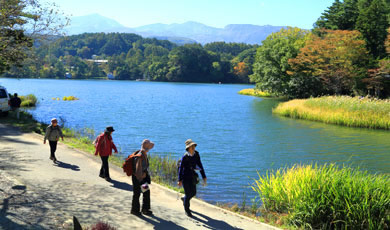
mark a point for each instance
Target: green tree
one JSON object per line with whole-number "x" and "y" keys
{"x": 271, "y": 63}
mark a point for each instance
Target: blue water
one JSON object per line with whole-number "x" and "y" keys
{"x": 237, "y": 136}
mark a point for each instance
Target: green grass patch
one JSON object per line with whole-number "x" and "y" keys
{"x": 326, "y": 197}
{"x": 340, "y": 110}
{"x": 254, "y": 92}
{"x": 29, "y": 100}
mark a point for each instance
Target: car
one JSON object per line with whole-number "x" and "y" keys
{"x": 5, "y": 101}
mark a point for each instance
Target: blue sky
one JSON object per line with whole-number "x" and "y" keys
{"x": 217, "y": 13}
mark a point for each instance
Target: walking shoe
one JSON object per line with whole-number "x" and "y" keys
{"x": 188, "y": 213}
{"x": 55, "y": 160}
{"x": 147, "y": 212}
{"x": 51, "y": 158}
{"x": 101, "y": 176}
{"x": 108, "y": 179}
{"x": 137, "y": 213}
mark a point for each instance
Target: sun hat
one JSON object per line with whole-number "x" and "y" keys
{"x": 109, "y": 129}
{"x": 190, "y": 143}
{"x": 147, "y": 144}
{"x": 53, "y": 119}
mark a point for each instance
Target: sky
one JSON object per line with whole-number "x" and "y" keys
{"x": 216, "y": 13}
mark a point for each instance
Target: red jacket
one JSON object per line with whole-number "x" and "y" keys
{"x": 104, "y": 145}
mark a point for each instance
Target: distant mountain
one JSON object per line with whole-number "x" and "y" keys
{"x": 188, "y": 32}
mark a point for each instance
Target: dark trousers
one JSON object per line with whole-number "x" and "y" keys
{"x": 104, "y": 170}
{"x": 53, "y": 148}
{"x": 190, "y": 191}
{"x": 137, "y": 193}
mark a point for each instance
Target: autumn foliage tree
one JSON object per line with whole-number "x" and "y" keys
{"x": 336, "y": 61}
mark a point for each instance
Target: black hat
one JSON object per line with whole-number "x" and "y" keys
{"x": 109, "y": 129}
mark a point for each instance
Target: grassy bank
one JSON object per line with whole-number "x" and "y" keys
{"x": 326, "y": 197}
{"x": 254, "y": 92}
{"x": 340, "y": 110}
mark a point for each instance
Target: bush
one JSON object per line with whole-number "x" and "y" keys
{"x": 29, "y": 100}
{"x": 327, "y": 197}
{"x": 254, "y": 92}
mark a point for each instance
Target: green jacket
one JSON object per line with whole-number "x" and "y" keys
{"x": 53, "y": 133}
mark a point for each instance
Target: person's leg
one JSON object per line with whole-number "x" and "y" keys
{"x": 101, "y": 173}
{"x": 188, "y": 195}
{"x": 53, "y": 148}
{"x": 17, "y": 113}
{"x": 135, "y": 206}
{"x": 146, "y": 203}
{"x": 104, "y": 169}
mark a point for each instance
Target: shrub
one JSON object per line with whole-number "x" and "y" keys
{"x": 327, "y": 197}
{"x": 29, "y": 100}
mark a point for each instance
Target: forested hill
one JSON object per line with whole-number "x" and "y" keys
{"x": 129, "y": 56}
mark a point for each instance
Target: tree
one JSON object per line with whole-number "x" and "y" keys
{"x": 370, "y": 17}
{"x": 271, "y": 62}
{"x": 334, "y": 63}
{"x": 21, "y": 23}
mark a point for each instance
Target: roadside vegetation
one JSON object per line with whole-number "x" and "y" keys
{"x": 340, "y": 110}
{"x": 326, "y": 197}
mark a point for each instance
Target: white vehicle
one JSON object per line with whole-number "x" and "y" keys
{"x": 4, "y": 101}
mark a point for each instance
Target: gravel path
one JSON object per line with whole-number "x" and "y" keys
{"x": 37, "y": 194}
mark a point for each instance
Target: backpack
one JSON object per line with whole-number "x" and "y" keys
{"x": 129, "y": 163}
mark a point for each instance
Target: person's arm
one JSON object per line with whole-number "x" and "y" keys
{"x": 98, "y": 145}
{"x": 138, "y": 167}
{"x": 47, "y": 133}
{"x": 199, "y": 163}
{"x": 61, "y": 134}
{"x": 113, "y": 146}
{"x": 181, "y": 172}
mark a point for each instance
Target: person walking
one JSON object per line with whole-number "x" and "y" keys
{"x": 15, "y": 104}
{"x": 104, "y": 146}
{"x": 53, "y": 134}
{"x": 188, "y": 178}
{"x": 141, "y": 180}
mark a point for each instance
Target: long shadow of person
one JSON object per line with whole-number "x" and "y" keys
{"x": 121, "y": 185}
{"x": 161, "y": 224}
{"x": 67, "y": 166}
{"x": 212, "y": 223}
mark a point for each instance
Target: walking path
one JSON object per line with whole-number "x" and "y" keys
{"x": 37, "y": 194}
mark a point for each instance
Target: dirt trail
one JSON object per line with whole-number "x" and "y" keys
{"x": 37, "y": 194}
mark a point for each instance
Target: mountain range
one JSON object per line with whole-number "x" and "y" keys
{"x": 188, "y": 32}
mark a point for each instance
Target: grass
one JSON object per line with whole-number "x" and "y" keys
{"x": 340, "y": 110}
{"x": 254, "y": 92}
{"x": 326, "y": 197}
{"x": 29, "y": 100}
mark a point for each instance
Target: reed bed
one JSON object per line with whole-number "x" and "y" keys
{"x": 29, "y": 100}
{"x": 70, "y": 98}
{"x": 163, "y": 168}
{"x": 254, "y": 92}
{"x": 340, "y": 110}
{"x": 327, "y": 197}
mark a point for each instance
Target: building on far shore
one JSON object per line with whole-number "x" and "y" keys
{"x": 68, "y": 75}
{"x": 110, "y": 76}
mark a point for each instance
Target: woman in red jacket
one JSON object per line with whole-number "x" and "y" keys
{"x": 104, "y": 146}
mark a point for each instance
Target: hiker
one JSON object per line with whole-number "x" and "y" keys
{"x": 104, "y": 146}
{"x": 141, "y": 180}
{"x": 15, "y": 104}
{"x": 188, "y": 178}
{"x": 53, "y": 134}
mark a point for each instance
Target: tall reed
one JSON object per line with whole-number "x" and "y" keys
{"x": 340, "y": 110}
{"x": 254, "y": 92}
{"x": 327, "y": 197}
{"x": 29, "y": 100}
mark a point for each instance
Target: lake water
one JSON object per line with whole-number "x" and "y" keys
{"x": 237, "y": 135}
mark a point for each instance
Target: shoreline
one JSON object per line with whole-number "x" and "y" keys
{"x": 115, "y": 162}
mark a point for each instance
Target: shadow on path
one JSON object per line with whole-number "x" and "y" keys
{"x": 161, "y": 224}
{"x": 211, "y": 223}
{"x": 14, "y": 140}
{"x": 67, "y": 166}
{"x": 121, "y": 185}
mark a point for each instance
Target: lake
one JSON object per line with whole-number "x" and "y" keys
{"x": 237, "y": 136}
